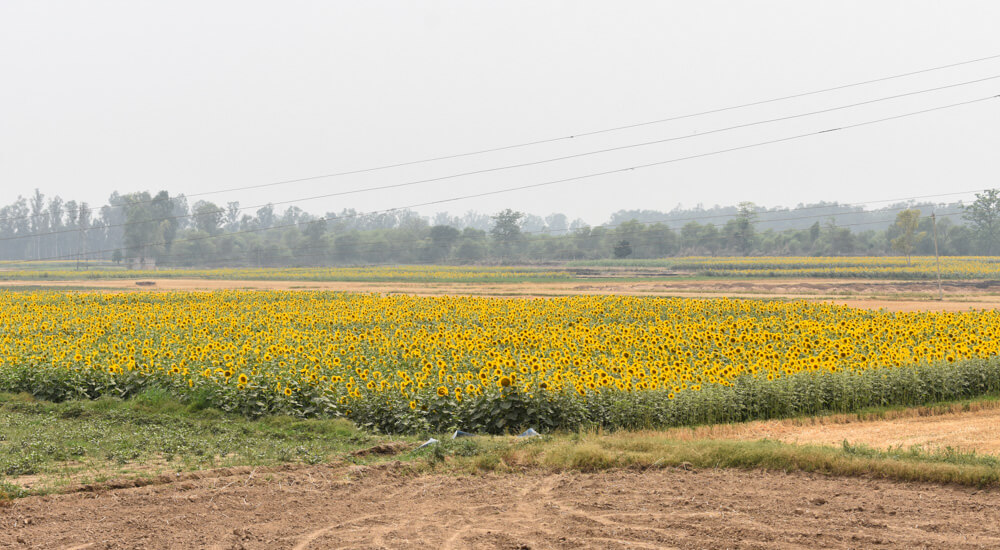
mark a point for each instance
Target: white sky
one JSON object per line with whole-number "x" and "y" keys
{"x": 199, "y": 96}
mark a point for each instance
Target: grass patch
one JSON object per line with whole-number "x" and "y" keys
{"x": 45, "y": 446}
{"x": 594, "y": 452}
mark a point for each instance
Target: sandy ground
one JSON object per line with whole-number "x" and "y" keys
{"x": 335, "y": 507}
{"x": 976, "y": 430}
{"x": 863, "y": 293}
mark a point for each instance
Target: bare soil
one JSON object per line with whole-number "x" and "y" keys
{"x": 862, "y": 293}
{"x": 365, "y": 507}
{"x": 976, "y": 430}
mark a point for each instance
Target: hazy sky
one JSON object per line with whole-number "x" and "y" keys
{"x": 195, "y": 97}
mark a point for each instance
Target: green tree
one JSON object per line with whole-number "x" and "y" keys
{"x": 742, "y": 234}
{"x": 507, "y": 226}
{"x": 141, "y": 230}
{"x": 623, "y": 249}
{"x": 443, "y": 238}
{"x": 162, "y": 210}
{"x": 208, "y": 217}
{"x": 506, "y": 230}
{"x": 984, "y": 216}
{"x": 906, "y": 224}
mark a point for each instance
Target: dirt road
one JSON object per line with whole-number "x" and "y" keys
{"x": 328, "y": 507}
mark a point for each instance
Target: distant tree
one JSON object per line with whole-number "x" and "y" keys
{"x": 141, "y": 230}
{"x": 208, "y": 217}
{"x": 506, "y": 226}
{"x": 347, "y": 247}
{"x": 984, "y": 217}
{"x": 623, "y": 249}
{"x": 556, "y": 223}
{"x": 116, "y": 256}
{"x": 162, "y": 211}
{"x": 83, "y": 222}
{"x": 314, "y": 232}
{"x": 443, "y": 238}
{"x": 39, "y": 220}
{"x": 232, "y": 216}
{"x": 265, "y": 216}
{"x": 506, "y": 230}
{"x": 470, "y": 251}
{"x": 743, "y": 232}
{"x": 906, "y": 224}
{"x": 814, "y": 230}
{"x": 55, "y": 221}
{"x": 841, "y": 240}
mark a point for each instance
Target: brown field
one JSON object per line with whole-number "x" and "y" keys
{"x": 337, "y": 506}
{"x": 972, "y": 430}
{"x": 387, "y": 507}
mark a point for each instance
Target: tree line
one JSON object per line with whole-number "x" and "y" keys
{"x": 141, "y": 230}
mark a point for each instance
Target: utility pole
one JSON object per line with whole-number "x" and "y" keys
{"x": 937, "y": 259}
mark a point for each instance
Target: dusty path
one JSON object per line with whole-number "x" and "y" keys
{"x": 324, "y": 507}
{"x": 891, "y": 295}
{"x": 976, "y": 430}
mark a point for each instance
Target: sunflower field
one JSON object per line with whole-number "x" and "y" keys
{"x": 410, "y": 364}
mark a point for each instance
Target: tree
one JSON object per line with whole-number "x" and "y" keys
{"x": 623, "y": 249}
{"x": 162, "y": 211}
{"x": 906, "y": 224}
{"x": 507, "y": 226}
{"x": 443, "y": 238}
{"x": 232, "y": 216}
{"x": 208, "y": 217}
{"x": 742, "y": 231}
{"x": 39, "y": 220}
{"x": 984, "y": 216}
{"x": 506, "y": 230}
{"x": 141, "y": 230}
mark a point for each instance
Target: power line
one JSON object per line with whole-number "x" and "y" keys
{"x": 568, "y": 137}
{"x": 581, "y": 177}
{"x": 512, "y": 166}
{"x": 603, "y": 131}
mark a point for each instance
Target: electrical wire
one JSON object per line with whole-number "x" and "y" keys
{"x": 566, "y": 137}
{"x": 609, "y": 172}
{"x": 544, "y": 161}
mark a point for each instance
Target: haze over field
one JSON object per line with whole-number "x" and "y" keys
{"x": 107, "y": 96}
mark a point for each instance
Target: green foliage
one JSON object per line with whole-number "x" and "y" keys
{"x": 984, "y": 217}
{"x": 623, "y": 249}
{"x": 906, "y": 226}
{"x": 80, "y": 436}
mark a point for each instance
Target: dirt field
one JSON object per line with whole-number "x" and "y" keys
{"x": 387, "y": 506}
{"x": 976, "y": 430}
{"x": 891, "y": 295}
{"x": 335, "y": 507}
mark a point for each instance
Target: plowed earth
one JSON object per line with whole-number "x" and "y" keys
{"x": 335, "y": 507}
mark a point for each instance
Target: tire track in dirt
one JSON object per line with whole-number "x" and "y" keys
{"x": 391, "y": 507}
